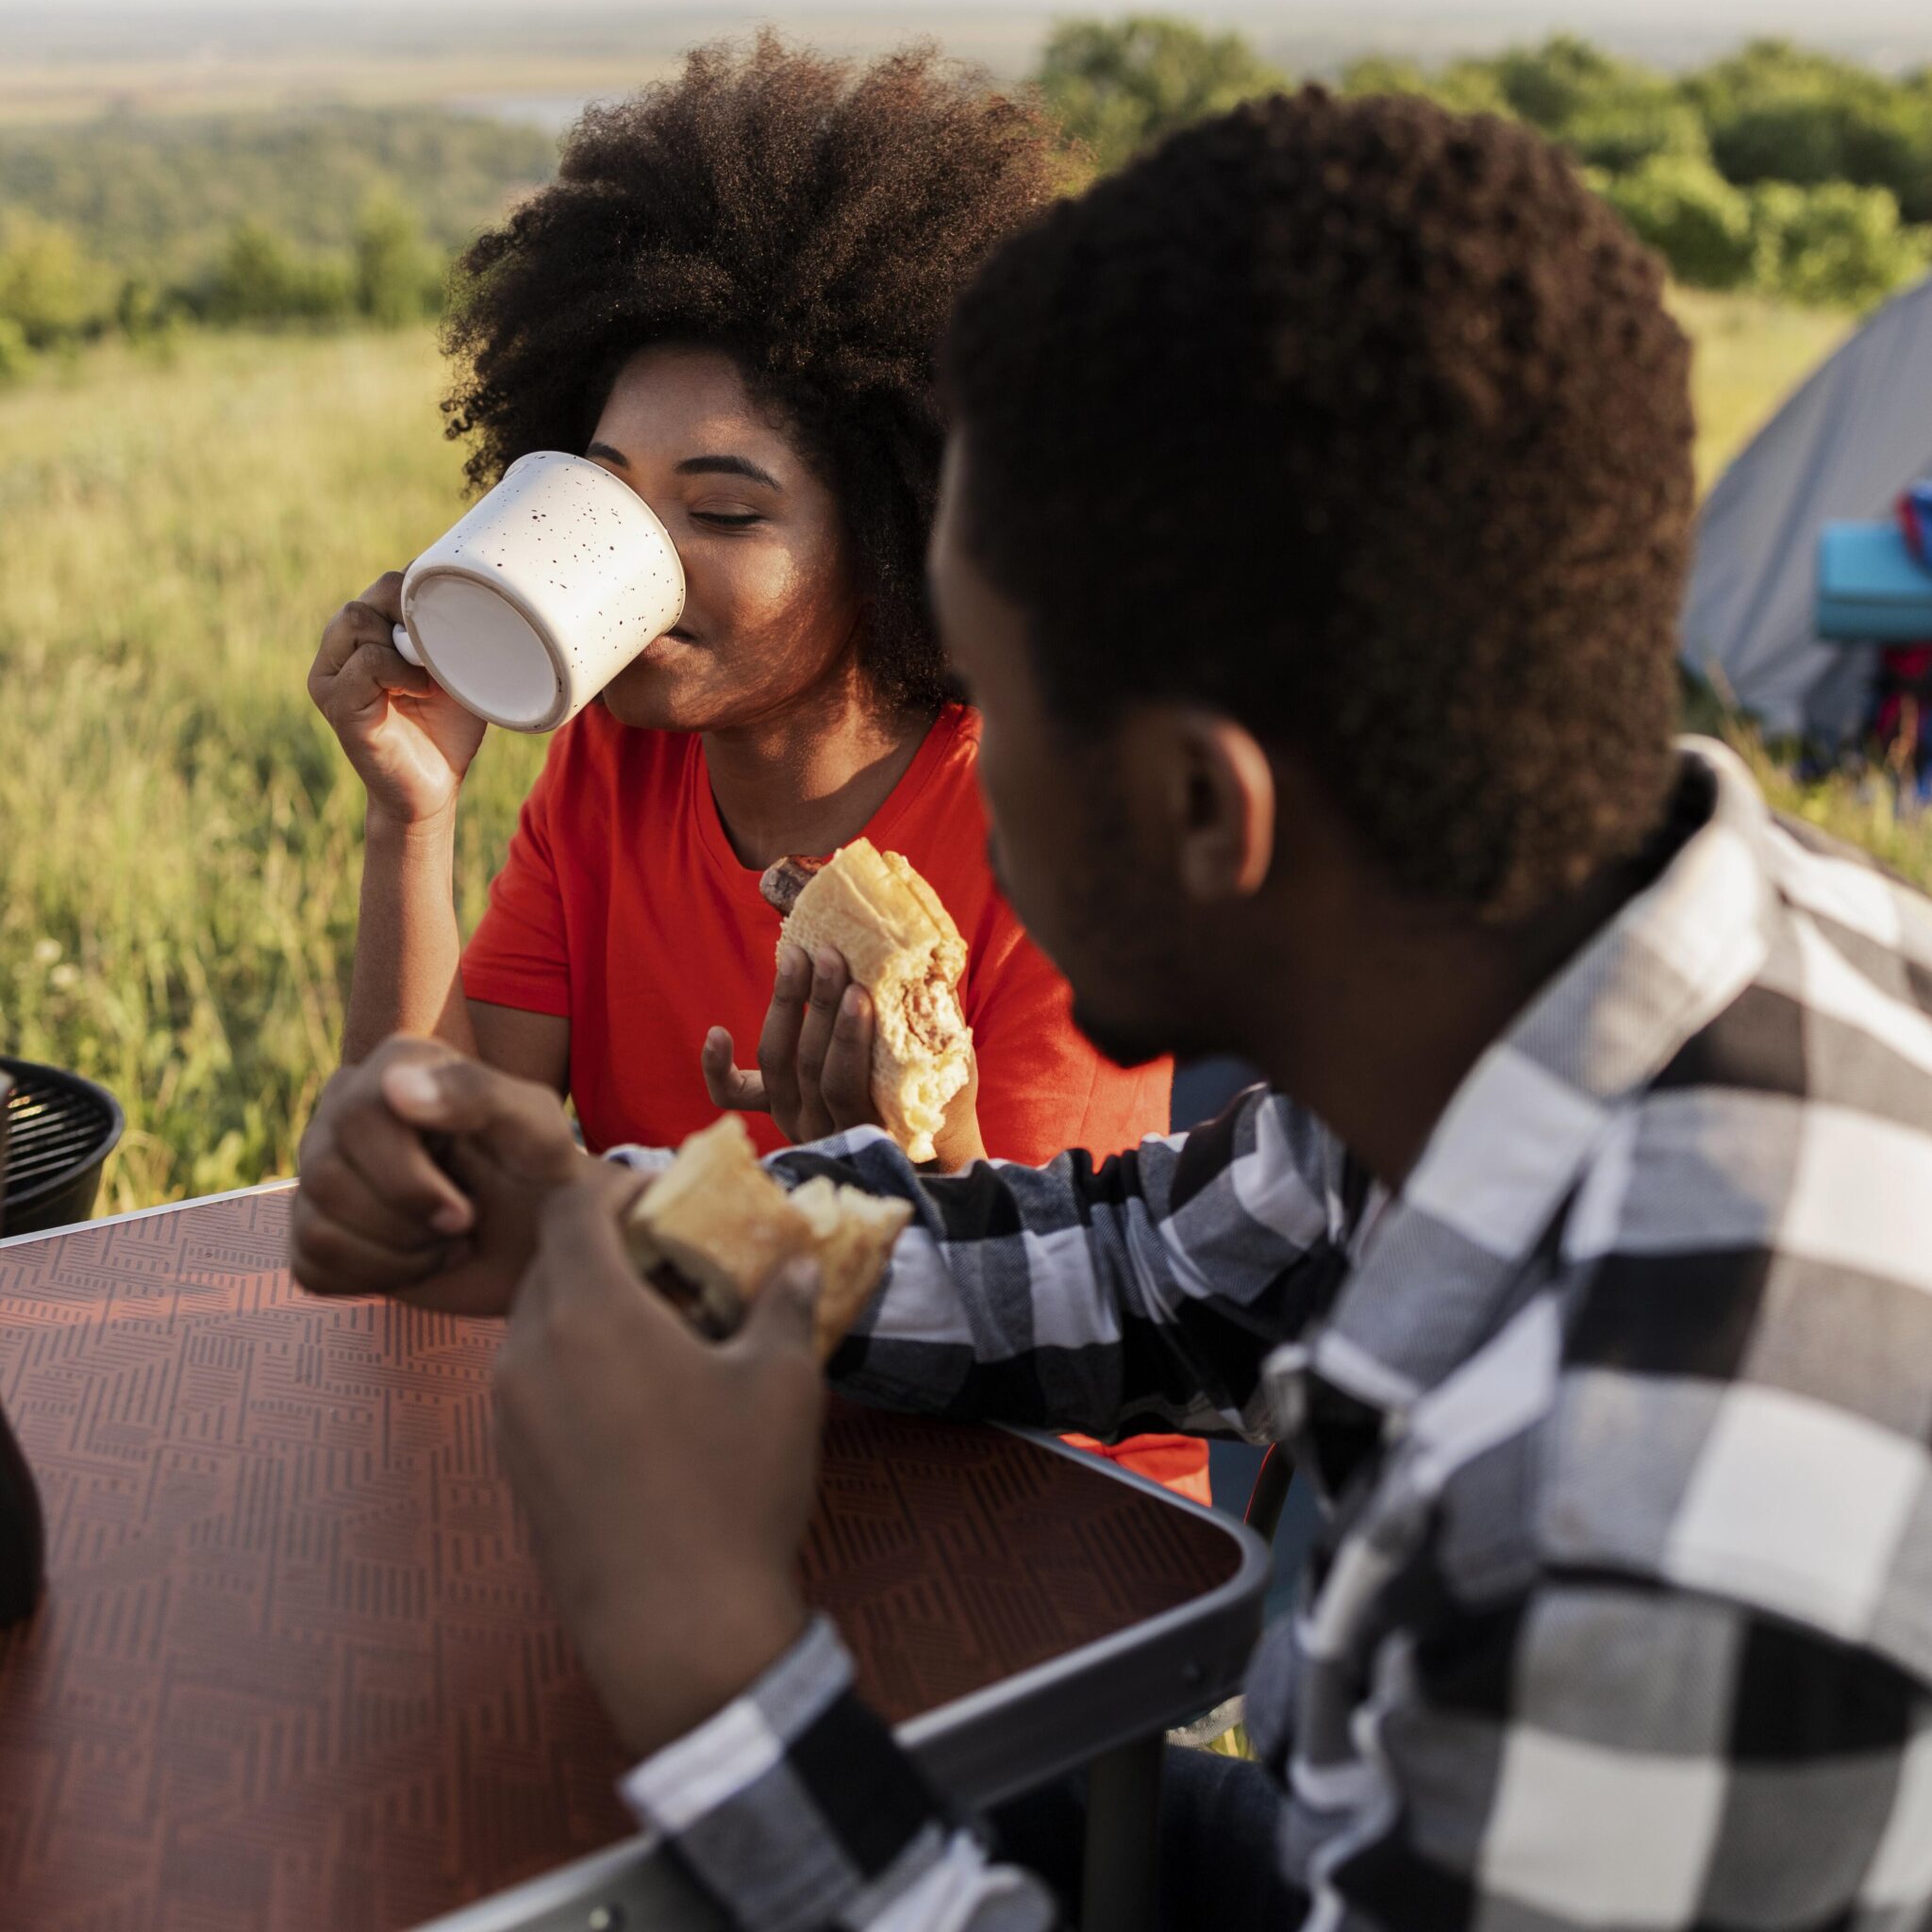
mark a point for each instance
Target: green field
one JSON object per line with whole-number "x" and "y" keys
{"x": 1750, "y": 354}
{"x": 177, "y": 878}
{"x": 179, "y": 858}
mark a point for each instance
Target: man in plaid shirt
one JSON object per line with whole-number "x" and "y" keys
{"x": 1311, "y": 540}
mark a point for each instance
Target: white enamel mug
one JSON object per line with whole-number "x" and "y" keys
{"x": 555, "y": 581}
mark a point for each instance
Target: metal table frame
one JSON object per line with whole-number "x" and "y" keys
{"x": 1107, "y": 1706}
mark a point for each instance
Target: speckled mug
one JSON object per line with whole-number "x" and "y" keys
{"x": 526, "y": 609}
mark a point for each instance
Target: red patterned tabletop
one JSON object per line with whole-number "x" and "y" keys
{"x": 296, "y": 1669}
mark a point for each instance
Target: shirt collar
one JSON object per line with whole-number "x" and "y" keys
{"x": 1435, "y": 1273}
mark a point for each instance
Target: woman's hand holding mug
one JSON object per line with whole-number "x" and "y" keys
{"x": 409, "y": 741}
{"x": 519, "y": 614}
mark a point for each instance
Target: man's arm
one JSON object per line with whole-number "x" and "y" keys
{"x": 1589, "y": 1753}
{"x": 1141, "y": 1294}
{"x": 668, "y": 1534}
{"x": 1151, "y": 1288}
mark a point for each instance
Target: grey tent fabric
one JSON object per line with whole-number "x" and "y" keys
{"x": 1844, "y": 446}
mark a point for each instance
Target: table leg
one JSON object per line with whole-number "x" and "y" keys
{"x": 1123, "y": 1851}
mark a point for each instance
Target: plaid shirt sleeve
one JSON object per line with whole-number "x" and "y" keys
{"x": 1585, "y": 1754}
{"x": 1139, "y": 1295}
{"x": 793, "y": 1809}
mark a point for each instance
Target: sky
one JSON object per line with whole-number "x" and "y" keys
{"x": 1738, "y": 16}
{"x": 1887, "y": 31}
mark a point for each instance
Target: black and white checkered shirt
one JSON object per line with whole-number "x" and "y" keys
{"x": 1621, "y": 1410}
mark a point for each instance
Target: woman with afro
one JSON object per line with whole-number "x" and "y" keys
{"x": 730, "y": 298}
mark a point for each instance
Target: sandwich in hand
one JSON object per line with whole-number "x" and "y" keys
{"x": 903, "y": 947}
{"x": 714, "y": 1228}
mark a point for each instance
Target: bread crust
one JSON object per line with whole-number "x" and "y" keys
{"x": 901, "y": 944}
{"x": 725, "y": 1227}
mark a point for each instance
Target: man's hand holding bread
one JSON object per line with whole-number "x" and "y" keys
{"x": 426, "y": 1176}
{"x": 667, "y": 1479}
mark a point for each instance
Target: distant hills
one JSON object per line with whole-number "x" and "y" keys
{"x": 160, "y": 196}
{"x": 80, "y": 58}
{"x": 246, "y": 178}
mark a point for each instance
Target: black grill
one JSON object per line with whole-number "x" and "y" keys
{"x": 59, "y": 1131}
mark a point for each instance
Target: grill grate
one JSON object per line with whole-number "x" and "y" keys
{"x": 53, "y": 1131}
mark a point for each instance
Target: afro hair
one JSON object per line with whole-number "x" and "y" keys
{"x": 1366, "y": 424}
{"x": 813, "y": 219}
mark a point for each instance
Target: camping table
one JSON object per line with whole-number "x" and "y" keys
{"x": 296, "y": 1669}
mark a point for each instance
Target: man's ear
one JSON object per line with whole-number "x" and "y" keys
{"x": 1219, "y": 800}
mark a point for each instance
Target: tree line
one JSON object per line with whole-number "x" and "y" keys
{"x": 1777, "y": 169}
{"x": 54, "y": 293}
{"x": 318, "y": 218}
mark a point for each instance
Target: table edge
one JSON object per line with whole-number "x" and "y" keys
{"x": 634, "y": 1872}
{"x": 1250, "y": 1578}
{"x": 54, "y": 1234}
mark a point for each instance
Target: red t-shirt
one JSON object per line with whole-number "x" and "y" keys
{"x": 622, "y": 909}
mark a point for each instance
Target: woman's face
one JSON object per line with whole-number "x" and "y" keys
{"x": 770, "y": 610}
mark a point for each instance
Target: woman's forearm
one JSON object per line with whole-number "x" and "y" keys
{"x": 408, "y": 949}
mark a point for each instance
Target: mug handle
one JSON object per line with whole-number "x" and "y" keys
{"x": 406, "y": 647}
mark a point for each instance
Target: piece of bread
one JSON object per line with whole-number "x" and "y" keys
{"x": 851, "y": 1236}
{"x": 714, "y": 1228}
{"x": 903, "y": 947}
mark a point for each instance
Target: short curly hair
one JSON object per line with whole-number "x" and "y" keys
{"x": 1365, "y": 422}
{"x": 813, "y": 219}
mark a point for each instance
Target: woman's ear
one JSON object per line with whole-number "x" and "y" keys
{"x": 1223, "y": 807}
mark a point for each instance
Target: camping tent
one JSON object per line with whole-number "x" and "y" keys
{"x": 1844, "y": 446}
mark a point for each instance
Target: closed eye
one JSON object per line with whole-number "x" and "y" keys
{"x": 718, "y": 520}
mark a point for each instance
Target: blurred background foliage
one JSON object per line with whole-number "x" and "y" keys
{"x": 1117, "y": 86}
{"x": 317, "y": 215}
{"x": 1784, "y": 172}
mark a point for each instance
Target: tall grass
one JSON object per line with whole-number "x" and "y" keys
{"x": 179, "y": 834}
{"x": 1751, "y": 352}
{"x": 1862, "y": 809}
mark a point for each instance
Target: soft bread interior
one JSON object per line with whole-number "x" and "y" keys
{"x": 725, "y": 1227}
{"x": 902, "y": 946}
{"x": 851, "y": 1236}
{"x": 719, "y": 1219}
